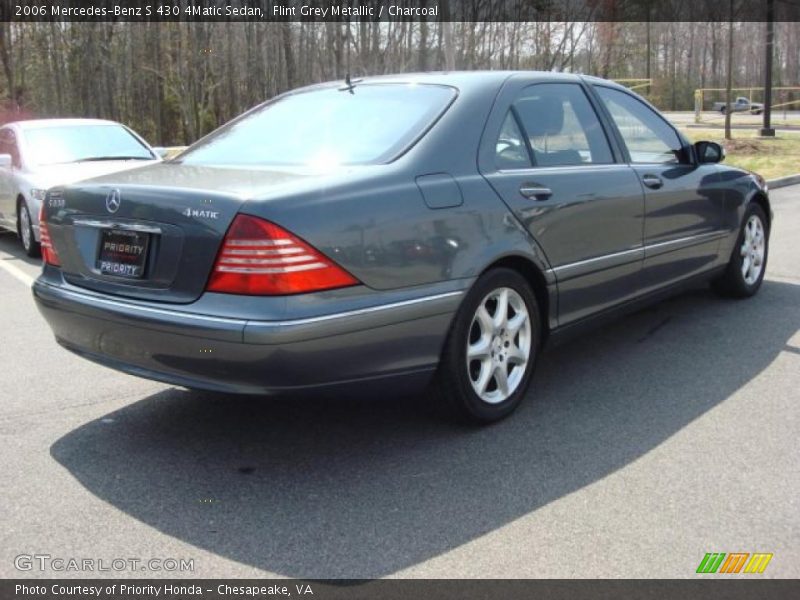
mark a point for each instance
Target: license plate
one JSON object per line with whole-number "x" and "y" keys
{"x": 123, "y": 253}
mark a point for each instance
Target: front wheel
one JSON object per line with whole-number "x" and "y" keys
{"x": 25, "y": 230}
{"x": 748, "y": 262}
{"x": 491, "y": 349}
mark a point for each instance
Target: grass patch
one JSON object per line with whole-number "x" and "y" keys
{"x": 770, "y": 158}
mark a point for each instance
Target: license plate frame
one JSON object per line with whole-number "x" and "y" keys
{"x": 122, "y": 253}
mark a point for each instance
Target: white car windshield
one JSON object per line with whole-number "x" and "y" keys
{"x": 363, "y": 124}
{"x": 75, "y": 143}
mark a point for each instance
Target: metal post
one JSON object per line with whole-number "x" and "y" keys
{"x": 767, "y": 130}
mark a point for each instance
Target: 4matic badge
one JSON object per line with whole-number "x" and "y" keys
{"x": 200, "y": 213}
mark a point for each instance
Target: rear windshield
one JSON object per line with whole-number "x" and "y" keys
{"x": 367, "y": 124}
{"x": 74, "y": 143}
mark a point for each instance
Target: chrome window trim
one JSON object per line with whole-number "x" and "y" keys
{"x": 588, "y": 167}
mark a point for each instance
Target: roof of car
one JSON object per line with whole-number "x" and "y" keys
{"x": 463, "y": 79}
{"x": 42, "y": 123}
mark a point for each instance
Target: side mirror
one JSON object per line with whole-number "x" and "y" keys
{"x": 709, "y": 152}
{"x": 160, "y": 151}
{"x": 5, "y": 161}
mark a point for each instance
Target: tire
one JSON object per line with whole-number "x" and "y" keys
{"x": 497, "y": 340}
{"x": 748, "y": 263}
{"x": 723, "y": 110}
{"x": 25, "y": 230}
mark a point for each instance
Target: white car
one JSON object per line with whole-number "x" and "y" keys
{"x": 39, "y": 154}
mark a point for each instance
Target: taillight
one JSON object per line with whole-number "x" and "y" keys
{"x": 49, "y": 253}
{"x": 259, "y": 258}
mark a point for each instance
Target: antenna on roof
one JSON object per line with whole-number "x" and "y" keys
{"x": 349, "y": 84}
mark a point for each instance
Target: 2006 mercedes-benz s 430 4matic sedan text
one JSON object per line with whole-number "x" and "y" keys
{"x": 413, "y": 230}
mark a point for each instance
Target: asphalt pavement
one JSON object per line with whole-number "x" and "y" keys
{"x": 642, "y": 446}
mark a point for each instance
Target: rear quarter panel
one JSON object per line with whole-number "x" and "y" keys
{"x": 741, "y": 188}
{"x": 379, "y": 227}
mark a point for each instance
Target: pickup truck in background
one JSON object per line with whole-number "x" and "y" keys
{"x": 741, "y": 104}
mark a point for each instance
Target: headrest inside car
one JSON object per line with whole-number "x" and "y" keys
{"x": 542, "y": 116}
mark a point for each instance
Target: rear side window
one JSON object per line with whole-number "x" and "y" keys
{"x": 648, "y": 137}
{"x": 368, "y": 124}
{"x": 510, "y": 150}
{"x": 561, "y": 126}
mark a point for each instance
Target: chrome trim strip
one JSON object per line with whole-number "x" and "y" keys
{"x": 708, "y": 236}
{"x": 357, "y": 312}
{"x": 637, "y": 250}
{"x": 711, "y": 235}
{"x": 116, "y": 225}
{"x": 243, "y": 322}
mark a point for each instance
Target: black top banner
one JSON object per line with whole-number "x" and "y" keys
{"x": 399, "y": 10}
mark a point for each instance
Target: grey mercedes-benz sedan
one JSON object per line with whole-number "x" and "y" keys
{"x": 396, "y": 233}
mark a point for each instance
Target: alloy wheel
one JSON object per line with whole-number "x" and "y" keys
{"x": 25, "y": 227}
{"x": 499, "y": 345}
{"x": 752, "y": 250}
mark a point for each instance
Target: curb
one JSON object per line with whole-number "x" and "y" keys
{"x": 783, "y": 181}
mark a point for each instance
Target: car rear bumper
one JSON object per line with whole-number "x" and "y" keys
{"x": 399, "y": 339}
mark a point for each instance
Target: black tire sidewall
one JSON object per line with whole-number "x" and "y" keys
{"x": 469, "y": 404}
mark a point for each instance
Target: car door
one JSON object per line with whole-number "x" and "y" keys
{"x": 7, "y": 198}
{"x": 549, "y": 157}
{"x": 684, "y": 201}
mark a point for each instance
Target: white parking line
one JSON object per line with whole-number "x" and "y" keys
{"x": 14, "y": 270}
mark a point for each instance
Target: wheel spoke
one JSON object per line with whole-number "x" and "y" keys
{"x": 516, "y": 356}
{"x": 481, "y": 348}
{"x": 501, "y": 378}
{"x": 514, "y": 325}
{"x": 500, "y": 318}
{"x": 484, "y": 320}
{"x": 485, "y": 376}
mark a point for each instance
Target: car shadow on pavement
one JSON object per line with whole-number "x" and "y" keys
{"x": 10, "y": 244}
{"x": 355, "y": 489}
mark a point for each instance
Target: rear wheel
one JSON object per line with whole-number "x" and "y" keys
{"x": 25, "y": 230}
{"x": 491, "y": 349}
{"x": 748, "y": 262}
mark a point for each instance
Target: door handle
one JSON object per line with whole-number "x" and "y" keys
{"x": 652, "y": 181}
{"x": 532, "y": 190}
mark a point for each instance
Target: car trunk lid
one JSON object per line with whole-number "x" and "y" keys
{"x": 151, "y": 233}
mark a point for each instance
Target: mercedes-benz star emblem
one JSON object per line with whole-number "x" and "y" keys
{"x": 113, "y": 200}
